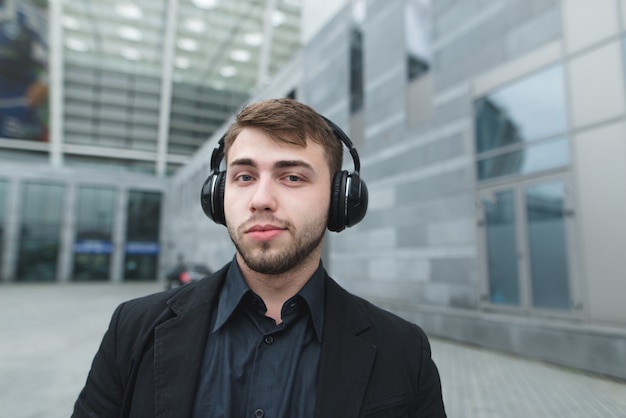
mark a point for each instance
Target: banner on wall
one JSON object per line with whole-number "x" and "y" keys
{"x": 142, "y": 248}
{"x": 24, "y": 69}
{"x": 93, "y": 247}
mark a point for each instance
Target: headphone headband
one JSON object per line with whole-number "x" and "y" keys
{"x": 339, "y": 133}
{"x": 217, "y": 155}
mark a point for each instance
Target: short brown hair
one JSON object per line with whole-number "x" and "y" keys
{"x": 288, "y": 121}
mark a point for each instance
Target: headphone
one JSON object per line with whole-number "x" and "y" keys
{"x": 348, "y": 194}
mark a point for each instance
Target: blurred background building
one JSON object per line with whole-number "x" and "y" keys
{"x": 492, "y": 137}
{"x": 100, "y": 103}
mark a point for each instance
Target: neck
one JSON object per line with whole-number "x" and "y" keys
{"x": 276, "y": 289}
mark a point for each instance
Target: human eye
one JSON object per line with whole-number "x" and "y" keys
{"x": 293, "y": 178}
{"x": 243, "y": 178}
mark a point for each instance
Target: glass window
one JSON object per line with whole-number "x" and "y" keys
{"x": 359, "y": 11}
{"x": 109, "y": 164}
{"x": 527, "y": 160}
{"x": 112, "y": 81}
{"x": 94, "y": 225}
{"x": 527, "y": 110}
{"x": 521, "y": 129}
{"x": 142, "y": 235}
{"x": 547, "y": 245}
{"x": 3, "y": 201}
{"x": 356, "y": 70}
{"x": 219, "y": 60}
{"x": 144, "y": 215}
{"x": 417, "y": 37}
{"x": 511, "y": 120}
{"x": 3, "y": 206}
{"x": 196, "y": 112}
{"x": 500, "y": 224}
{"x": 26, "y": 156}
{"x": 40, "y": 231}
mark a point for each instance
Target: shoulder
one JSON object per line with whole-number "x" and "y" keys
{"x": 379, "y": 325}
{"x": 391, "y": 326}
{"x": 402, "y": 367}
{"x": 152, "y": 309}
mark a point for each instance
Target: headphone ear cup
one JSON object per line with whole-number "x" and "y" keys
{"x": 358, "y": 198}
{"x": 206, "y": 195}
{"x": 212, "y": 197}
{"x": 218, "y": 200}
{"x": 337, "y": 208}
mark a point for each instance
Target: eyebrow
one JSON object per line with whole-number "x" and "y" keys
{"x": 293, "y": 163}
{"x": 243, "y": 161}
{"x": 277, "y": 165}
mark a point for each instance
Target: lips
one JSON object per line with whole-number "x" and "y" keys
{"x": 264, "y": 232}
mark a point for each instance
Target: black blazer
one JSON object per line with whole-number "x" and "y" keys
{"x": 372, "y": 364}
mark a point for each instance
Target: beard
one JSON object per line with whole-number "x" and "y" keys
{"x": 268, "y": 257}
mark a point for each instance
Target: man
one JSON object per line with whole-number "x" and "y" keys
{"x": 270, "y": 334}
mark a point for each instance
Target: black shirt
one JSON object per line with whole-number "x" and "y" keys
{"x": 254, "y": 368}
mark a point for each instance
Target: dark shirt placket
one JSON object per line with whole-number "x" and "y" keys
{"x": 275, "y": 365}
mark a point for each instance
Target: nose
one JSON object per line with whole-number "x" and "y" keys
{"x": 263, "y": 198}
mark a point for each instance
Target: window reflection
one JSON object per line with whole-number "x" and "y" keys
{"x": 531, "y": 159}
{"x": 521, "y": 129}
{"x": 417, "y": 37}
{"x": 40, "y": 232}
{"x": 94, "y": 225}
{"x": 3, "y": 204}
{"x": 501, "y": 248}
{"x": 142, "y": 235}
{"x": 356, "y": 70}
{"x": 515, "y": 123}
{"x": 144, "y": 212}
{"x": 547, "y": 245}
{"x": 527, "y": 110}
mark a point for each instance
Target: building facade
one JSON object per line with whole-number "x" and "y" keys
{"x": 492, "y": 137}
{"x": 100, "y": 103}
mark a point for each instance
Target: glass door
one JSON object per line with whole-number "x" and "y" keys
{"x": 93, "y": 244}
{"x": 501, "y": 245}
{"x": 546, "y": 217}
{"x": 526, "y": 239}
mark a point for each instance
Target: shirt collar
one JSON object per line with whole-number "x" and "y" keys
{"x": 235, "y": 289}
{"x": 313, "y": 294}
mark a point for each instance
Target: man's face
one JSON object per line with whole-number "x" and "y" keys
{"x": 276, "y": 201}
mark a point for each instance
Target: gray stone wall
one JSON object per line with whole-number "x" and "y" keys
{"x": 417, "y": 251}
{"x": 473, "y": 36}
{"x": 417, "y": 243}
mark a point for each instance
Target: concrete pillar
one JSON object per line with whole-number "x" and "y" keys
{"x": 68, "y": 234}
{"x": 119, "y": 235}
{"x": 11, "y": 223}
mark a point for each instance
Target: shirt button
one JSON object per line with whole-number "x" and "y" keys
{"x": 259, "y": 413}
{"x": 268, "y": 340}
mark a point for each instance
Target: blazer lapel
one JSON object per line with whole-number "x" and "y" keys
{"x": 346, "y": 359}
{"x": 179, "y": 346}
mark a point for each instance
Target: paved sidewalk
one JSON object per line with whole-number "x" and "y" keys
{"x": 50, "y": 332}
{"x": 485, "y": 384}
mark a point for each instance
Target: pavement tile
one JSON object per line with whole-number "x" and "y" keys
{"x": 49, "y": 334}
